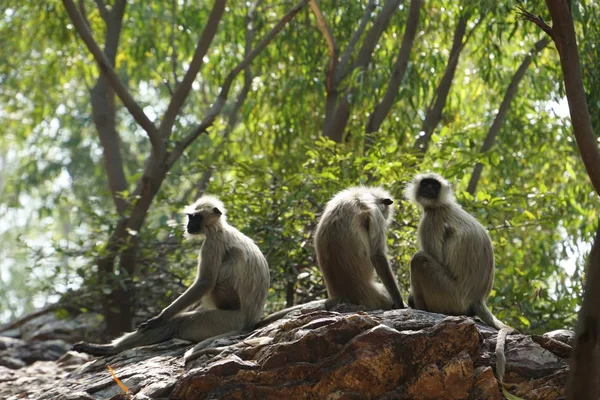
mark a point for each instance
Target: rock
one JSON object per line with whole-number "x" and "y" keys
{"x": 342, "y": 354}
{"x": 16, "y": 353}
{"x": 562, "y": 335}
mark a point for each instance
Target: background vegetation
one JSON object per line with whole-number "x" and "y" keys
{"x": 349, "y": 92}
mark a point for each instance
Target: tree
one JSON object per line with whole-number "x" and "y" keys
{"x": 123, "y": 241}
{"x": 584, "y": 373}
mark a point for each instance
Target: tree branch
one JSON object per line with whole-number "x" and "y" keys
{"x": 102, "y": 9}
{"x": 84, "y": 13}
{"x": 102, "y": 99}
{"x": 365, "y": 54}
{"x": 562, "y": 33}
{"x": 539, "y": 21}
{"x": 105, "y": 66}
{"x": 183, "y": 89}
{"x": 241, "y": 98}
{"x": 340, "y": 74}
{"x": 335, "y": 130}
{"x": 173, "y": 47}
{"x": 217, "y": 106}
{"x": 509, "y": 95}
{"x": 333, "y": 50}
{"x": 434, "y": 112}
{"x": 382, "y": 109}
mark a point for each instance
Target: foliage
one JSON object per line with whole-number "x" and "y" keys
{"x": 273, "y": 169}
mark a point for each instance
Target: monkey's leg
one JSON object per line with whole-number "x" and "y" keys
{"x": 197, "y": 326}
{"x": 130, "y": 340}
{"x": 433, "y": 288}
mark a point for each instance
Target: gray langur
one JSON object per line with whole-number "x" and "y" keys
{"x": 229, "y": 292}
{"x": 453, "y": 271}
{"x": 350, "y": 241}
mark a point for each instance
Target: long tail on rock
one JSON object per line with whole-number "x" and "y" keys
{"x": 129, "y": 341}
{"x": 486, "y": 316}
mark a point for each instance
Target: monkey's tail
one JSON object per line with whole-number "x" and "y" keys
{"x": 500, "y": 357}
{"x": 316, "y": 304}
{"x": 130, "y": 340}
{"x": 484, "y": 313}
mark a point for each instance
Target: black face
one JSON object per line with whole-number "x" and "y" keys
{"x": 387, "y": 202}
{"x": 429, "y": 188}
{"x": 194, "y": 223}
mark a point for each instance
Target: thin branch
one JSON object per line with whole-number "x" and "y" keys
{"x": 354, "y": 41}
{"x": 365, "y": 54}
{"x": 509, "y": 95}
{"x": 337, "y": 126}
{"x": 102, "y": 9}
{"x": 174, "y": 66}
{"x": 333, "y": 50}
{"x": 105, "y": 66}
{"x": 382, "y": 109}
{"x": 241, "y": 98}
{"x": 538, "y": 20}
{"x": 84, "y": 13}
{"x": 434, "y": 112}
{"x": 183, "y": 89}
{"x": 217, "y": 106}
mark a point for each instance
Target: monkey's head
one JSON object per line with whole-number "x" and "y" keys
{"x": 384, "y": 201}
{"x": 429, "y": 190}
{"x": 205, "y": 215}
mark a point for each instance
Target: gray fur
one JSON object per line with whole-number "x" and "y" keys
{"x": 453, "y": 272}
{"x": 350, "y": 241}
{"x": 229, "y": 292}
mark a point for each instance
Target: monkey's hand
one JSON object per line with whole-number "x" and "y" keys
{"x": 152, "y": 323}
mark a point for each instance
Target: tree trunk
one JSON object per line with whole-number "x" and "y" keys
{"x": 584, "y": 374}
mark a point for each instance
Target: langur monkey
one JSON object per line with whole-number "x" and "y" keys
{"x": 453, "y": 272}
{"x": 229, "y": 292}
{"x": 350, "y": 241}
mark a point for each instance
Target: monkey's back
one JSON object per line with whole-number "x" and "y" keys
{"x": 343, "y": 247}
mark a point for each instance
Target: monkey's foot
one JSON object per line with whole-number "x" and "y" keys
{"x": 94, "y": 349}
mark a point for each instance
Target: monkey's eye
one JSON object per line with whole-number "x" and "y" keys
{"x": 387, "y": 202}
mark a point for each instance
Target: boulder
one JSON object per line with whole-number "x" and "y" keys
{"x": 342, "y": 354}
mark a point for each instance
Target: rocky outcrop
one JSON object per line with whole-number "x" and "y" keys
{"x": 343, "y": 354}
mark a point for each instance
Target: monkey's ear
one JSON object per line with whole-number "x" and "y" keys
{"x": 217, "y": 211}
{"x": 387, "y": 202}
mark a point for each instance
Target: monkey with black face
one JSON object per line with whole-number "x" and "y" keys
{"x": 229, "y": 292}
{"x": 350, "y": 241}
{"x": 453, "y": 272}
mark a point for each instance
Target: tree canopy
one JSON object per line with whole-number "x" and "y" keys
{"x": 342, "y": 93}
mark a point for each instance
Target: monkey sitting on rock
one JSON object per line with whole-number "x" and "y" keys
{"x": 453, "y": 271}
{"x": 229, "y": 292}
{"x": 350, "y": 241}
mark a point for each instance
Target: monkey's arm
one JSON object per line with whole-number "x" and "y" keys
{"x": 208, "y": 270}
{"x": 384, "y": 270}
